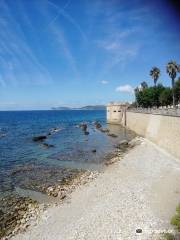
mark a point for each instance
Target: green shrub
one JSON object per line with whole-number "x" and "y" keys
{"x": 177, "y": 90}
{"x": 176, "y": 218}
{"x": 149, "y": 96}
{"x": 166, "y": 97}
{"x": 168, "y": 236}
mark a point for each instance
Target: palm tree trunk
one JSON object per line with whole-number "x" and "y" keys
{"x": 174, "y": 102}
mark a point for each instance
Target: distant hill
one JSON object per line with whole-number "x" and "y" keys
{"x": 90, "y": 107}
{"x": 96, "y": 107}
{"x": 61, "y": 108}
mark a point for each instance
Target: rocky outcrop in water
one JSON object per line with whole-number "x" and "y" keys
{"x": 97, "y": 124}
{"x": 67, "y": 185}
{"x": 39, "y": 177}
{"x": 39, "y": 138}
{"x": 104, "y": 130}
{"x": 83, "y": 126}
{"x": 18, "y": 213}
{"x": 122, "y": 148}
{"x": 46, "y": 145}
{"x": 55, "y": 130}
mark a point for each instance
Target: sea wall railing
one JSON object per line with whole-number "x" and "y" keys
{"x": 167, "y": 111}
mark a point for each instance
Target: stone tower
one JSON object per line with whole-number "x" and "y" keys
{"x": 116, "y": 113}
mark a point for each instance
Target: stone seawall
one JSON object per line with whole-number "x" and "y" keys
{"x": 160, "y": 129}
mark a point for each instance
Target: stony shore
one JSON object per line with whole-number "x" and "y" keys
{"x": 134, "y": 198}
{"x": 18, "y": 213}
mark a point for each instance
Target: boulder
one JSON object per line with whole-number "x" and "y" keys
{"x": 97, "y": 124}
{"x": 83, "y": 126}
{"x": 46, "y": 145}
{"x": 139, "y": 230}
{"x": 94, "y": 150}
{"x": 112, "y": 135}
{"x": 104, "y": 130}
{"x": 54, "y": 130}
{"x": 123, "y": 143}
{"x": 39, "y": 138}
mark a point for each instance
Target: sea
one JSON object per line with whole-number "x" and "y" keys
{"x": 25, "y": 164}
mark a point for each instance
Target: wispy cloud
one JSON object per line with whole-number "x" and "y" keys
{"x": 119, "y": 53}
{"x": 57, "y": 32}
{"x": 61, "y": 40}
{"x": 19, "y": 63}
{"x": 125, "y": 88}
{"x": 104, "y": 82}
{"x": 68, "y": 17}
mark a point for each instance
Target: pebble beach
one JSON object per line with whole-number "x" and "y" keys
{"x": 133, "y": 198}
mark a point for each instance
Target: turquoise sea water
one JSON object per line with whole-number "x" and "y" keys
{"x": 72, "y": 148}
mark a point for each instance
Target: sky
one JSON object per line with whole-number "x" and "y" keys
{"x": 80, "y": 52}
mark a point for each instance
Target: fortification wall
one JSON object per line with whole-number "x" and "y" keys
{"x": 160, "y": 129}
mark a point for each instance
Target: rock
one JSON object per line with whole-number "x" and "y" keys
{"x": 1, "y": 213}
{"x": 134, "y": 142}
{"x": 104, "y": 130}
{"x": 54, "y": 194}
{"x": 39, "y": 138}
{"x": 97, "y": 124}
{"x": 138, "y": 230}
{"x": 23, "y": 221}
{"x": 62, "y": 195}
{"x": 54, "y": 130}
{"x": 124, "y": 143}
{"x": 94, "y": 150}
{"x": 46, "y": 145}
{"x": 112, "y": 135}
{"x": 50, "y": 189}
{"x": 83, "y": 126}
{"x": 86, "y": 133}
{"x": 111, "y": 161}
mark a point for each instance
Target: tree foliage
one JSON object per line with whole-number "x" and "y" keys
{"x": 158, "y": 95}
{"x": 149, "y": 97}
{"x": 166, "y": 97}
{"x": 172, "y": 68}
{"x": 177, "y": 90}
{"x": 154, "y": 73}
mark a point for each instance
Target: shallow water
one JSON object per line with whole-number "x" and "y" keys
{"x": 72, "y": 149}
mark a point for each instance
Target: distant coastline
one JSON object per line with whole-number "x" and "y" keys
{"x": 90, "y": 107}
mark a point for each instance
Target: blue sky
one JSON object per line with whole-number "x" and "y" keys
{"x": 79, "y": 52}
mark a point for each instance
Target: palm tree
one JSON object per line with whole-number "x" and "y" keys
{"x": 172, "y": 68}
{"x": 154, "y": 73}
{"x": 143, "y": 85}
